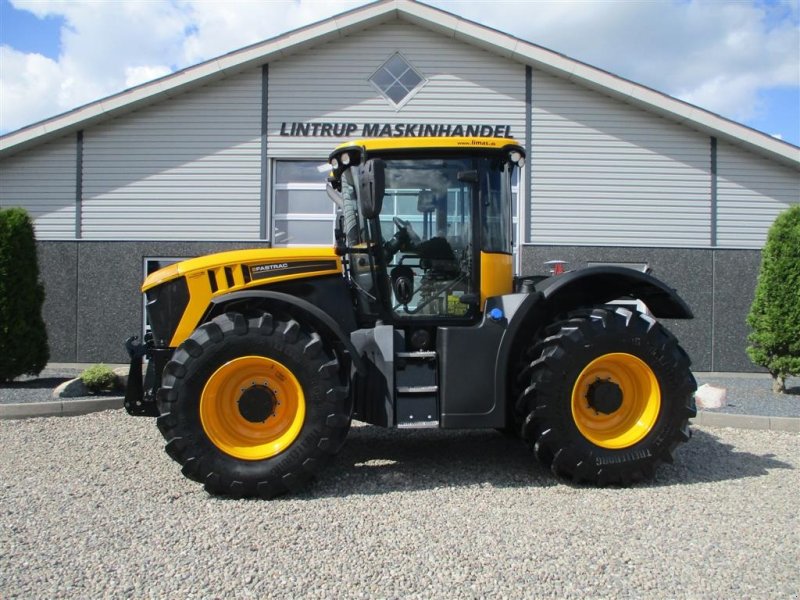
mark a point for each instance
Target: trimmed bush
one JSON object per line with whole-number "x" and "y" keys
{"x": 99, "y": 378}
{"x": 23, "y": 337}
{"x": 775, "y": 313}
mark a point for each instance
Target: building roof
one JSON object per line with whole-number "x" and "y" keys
{"x": 430, "y": 18}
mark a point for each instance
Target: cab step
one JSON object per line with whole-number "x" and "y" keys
{"x": 418, "y": 425}
{"x": 416, "y": 389}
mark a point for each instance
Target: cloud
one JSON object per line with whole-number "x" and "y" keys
{"x": 27, "y": 86}
{"x": 109, "y": 46}
{"x": 105, "y": 47}
{"x": 719, "y": 55}
{"x": 143, "y": 74}
{"x": 220, "y": 27}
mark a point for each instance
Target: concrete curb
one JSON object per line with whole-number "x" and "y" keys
{"x": 58, "y": 408}
{"x": 714, "y": 419}
{"x": 71, "y": 408}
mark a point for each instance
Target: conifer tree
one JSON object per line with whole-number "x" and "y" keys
{"x": 775, "y": 313}
{"x": 23, "y": 337}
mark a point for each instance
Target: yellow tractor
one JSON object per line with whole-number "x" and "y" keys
{"x": 259, "y": 359}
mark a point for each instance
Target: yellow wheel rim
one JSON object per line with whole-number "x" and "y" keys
{"x": 616, "y": 401}
{"x": 239, "y": 395}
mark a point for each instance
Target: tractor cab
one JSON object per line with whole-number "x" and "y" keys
{"x": 425, "y": 226}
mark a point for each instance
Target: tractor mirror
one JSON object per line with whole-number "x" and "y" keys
{"x": 372, "y": 187}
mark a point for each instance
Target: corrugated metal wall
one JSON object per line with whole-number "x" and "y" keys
{"x": 42, "y": 180}
{"x": 751, "y": 191}
{"x": 606, "y": 173}
{"x": 330, "y": 83}
{"x": 186, "y": 168}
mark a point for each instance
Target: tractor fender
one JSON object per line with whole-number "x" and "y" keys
{"x": 524, "y": 314}
{"x": 320, "y": 318}
{"x": 598, "y": 285}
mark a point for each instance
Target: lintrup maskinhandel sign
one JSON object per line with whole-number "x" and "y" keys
{"x": 344, "y": 130}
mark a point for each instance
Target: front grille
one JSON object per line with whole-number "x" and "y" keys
{"x": 165, "y": 306}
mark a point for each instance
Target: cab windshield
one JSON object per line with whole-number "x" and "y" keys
{"x": 431, "y": 198}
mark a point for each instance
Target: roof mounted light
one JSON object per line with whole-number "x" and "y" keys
{"x": 345, "y": 159}
{"x": 516, "y": 157}
{"x": 334, "y": 164}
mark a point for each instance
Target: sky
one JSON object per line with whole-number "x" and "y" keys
{"x": 737, "y": 58}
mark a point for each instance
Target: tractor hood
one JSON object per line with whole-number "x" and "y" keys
{"x": 179, "y": 295}
{"x": 245, "y": 266}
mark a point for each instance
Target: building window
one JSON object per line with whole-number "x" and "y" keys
{"x": 302, "y": 212}
{"x": 397, "y": 80}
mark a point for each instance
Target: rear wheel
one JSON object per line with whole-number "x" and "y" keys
{"x": 609, "y": 397}
{"x": 253, "y": 407}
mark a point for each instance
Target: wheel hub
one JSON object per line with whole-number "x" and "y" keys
{"x": 257, "y": 403}
{"x": 604, "y": 396}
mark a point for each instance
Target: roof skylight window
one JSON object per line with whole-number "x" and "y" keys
{"x": 397, "y": 80}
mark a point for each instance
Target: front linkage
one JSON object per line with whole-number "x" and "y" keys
{"x": 140, "y": 396}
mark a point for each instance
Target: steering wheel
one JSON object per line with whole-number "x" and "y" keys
{"x": 412, "y": 235}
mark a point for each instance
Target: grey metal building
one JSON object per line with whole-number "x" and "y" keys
{"x": 225, "y": 155}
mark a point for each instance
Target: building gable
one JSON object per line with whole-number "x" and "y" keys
{"x": 377, "y": 14}
{"x": 330, "y": 85}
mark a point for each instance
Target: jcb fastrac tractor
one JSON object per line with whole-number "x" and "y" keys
{"x": 259, "y": 359}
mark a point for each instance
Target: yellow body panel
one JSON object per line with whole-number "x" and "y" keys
{"x": 416, "y": 143}
{"x": 234, "y": 257}
{"x": 497, "y": 275}
{"x": 198, "y": 272}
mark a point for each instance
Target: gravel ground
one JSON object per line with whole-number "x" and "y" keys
{"x": 91, "y": 506}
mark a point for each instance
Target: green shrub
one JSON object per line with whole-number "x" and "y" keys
{"x": 775, "y": 313}
{"x": 99, "y": 378}
{"x": 23, "y": 337}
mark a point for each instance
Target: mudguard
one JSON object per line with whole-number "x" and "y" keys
{"x": 598, "y": 285}
{"x": 322, "y": 320}
{"x": 526, "y": 313}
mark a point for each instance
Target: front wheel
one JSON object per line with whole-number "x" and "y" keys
{"x": 253, "y": 407}
{"x": 609, "y": 397}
